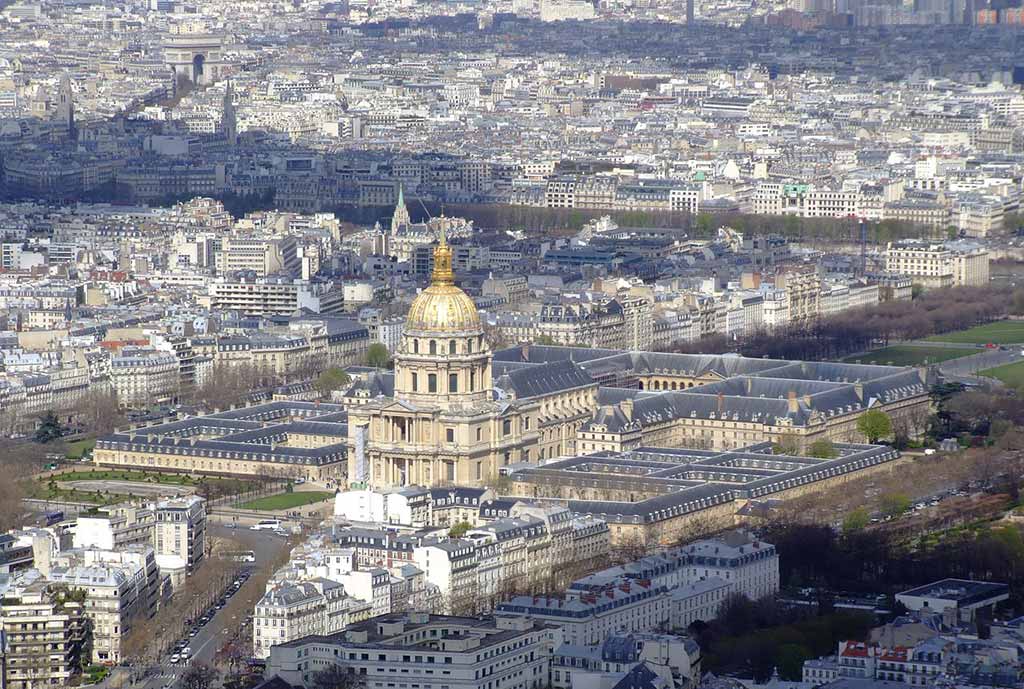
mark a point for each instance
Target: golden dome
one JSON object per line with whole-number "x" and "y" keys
{"x": 442, "y": 307}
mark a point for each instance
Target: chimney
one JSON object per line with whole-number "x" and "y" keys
{"x": 721, "y": 403}
{"x": 626, "y": 406}
{"x": 526, "y": 351}
{"x": 858, "y": 388}
{"x": 750, "y": 385}
{"x": 807, "y": 400}
{"x": 794, "y": 404}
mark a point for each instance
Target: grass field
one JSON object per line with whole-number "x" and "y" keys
{"x": 1011, "y": 374}
{"x": 140, "y": 476}
{"x": 286, "y": 501}
{"x": 79, "y": 447}
{"x": 904, "y": 355}
{"x": 1000, "y": 332}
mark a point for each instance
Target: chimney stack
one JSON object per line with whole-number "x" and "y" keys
{"x": 626, "y": 406}
{"x": 721, "y": 403}
{"x": 794, "y": 403}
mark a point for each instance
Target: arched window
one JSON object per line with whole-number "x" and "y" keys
{"x": 415, "y": 346}
{"x": 451, "y": 346}
{"x": 431, "y": 382}
{"x": 472, "y": 381}
{"x": 433, "y": 347}
{"x": 453, "y": 382}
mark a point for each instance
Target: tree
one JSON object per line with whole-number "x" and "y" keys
{"x": 199, "y": 676}
{"x": 330, "y": 380}
{"x": 99, "y": 411}
{"x": 823, "y": 449}
{"x": 49, "y": 429}
{"x": 874, "y": 425}
{"x": 228, "y": 384}
{"x": 893, "y": 504}
{"x": 459, "y": 530}
{"x": 544, "y": 340}
{"x": 787, "y": 445}
{"x": 336, "y": 677}
{"x": 378, "y": 356}
{"x": 856, "y": 520}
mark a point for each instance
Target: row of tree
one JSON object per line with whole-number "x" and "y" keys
{"x": 857, "y": 330}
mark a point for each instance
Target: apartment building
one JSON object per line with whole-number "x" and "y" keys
{"x": 143, "y": 376}
{"x": 259, "y": 256}
{"x": 260, "y": 297}
{"x": 623, "y": 322}
{"x": 628, "y": 660}
{"x": 803, "y": 292}
{"x": 121, "y": 588}
{"x": 114, "y": 527}
{"x": 439, "y": 651}
{"x": 179, "y": 535}
{"x": 930, "y": 264}
{"x": 295, "y": 610}
{"x": 44, "y": 629}
{"x": 588, "y": 617}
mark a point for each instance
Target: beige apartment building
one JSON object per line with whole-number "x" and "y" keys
{"x": 803, "y": 292}
{"x": 932, "y": 264}
{"x": 44, "y": 628}
{"x": 143, "y": 376}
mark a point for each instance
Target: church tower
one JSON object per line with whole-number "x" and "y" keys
{"x": 66, "y": 106}
{"x": 229, "y": 120}
{"x": 443, "y": 360}
{"x": 401, "y": 217}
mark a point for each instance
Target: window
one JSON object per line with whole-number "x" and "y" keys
{"x": 433, "y": 347}
{"x": 479, "y": 434}
{"x": 431, "y": 382}
{"x": 415, "y": 346}
{"x": 506, "y": 427}
{"x": 449, "y": 434}
{"x": 472, "y": 381}
{"x": 451, "y": 346}
{"x": 453, "y": 382}
{"x": 415, "y": 382}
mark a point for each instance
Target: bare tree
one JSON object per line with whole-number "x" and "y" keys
{"x": 99, "y": 411}
{"x": 336, "y": 677}
{"x": 228, "y": 385}
{"x": 199, "y": 676}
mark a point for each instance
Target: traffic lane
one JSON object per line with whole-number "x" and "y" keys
{"x": 264, "y": 544}
{"x": 990, "y": 358}
{"x": 225, "y": 623}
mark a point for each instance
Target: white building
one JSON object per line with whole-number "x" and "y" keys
{"x": 434, "y": 652}
{"x": 587, "y": 618}
{"x": 180, "y": 535}
{"x": 295, "y": 610}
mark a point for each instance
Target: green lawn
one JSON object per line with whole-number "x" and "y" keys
{"x": 1000, "y": 332}
{"x": 1011, "y": 374}
{"x": 286, "y": 501}
{"x": 79, "y": 447}
{"x": 125, "y": 475}
{"x": 906, "y": 355}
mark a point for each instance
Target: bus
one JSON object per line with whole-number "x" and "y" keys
{"x": 266, "y": 524}
{"x": 240, "y": 556}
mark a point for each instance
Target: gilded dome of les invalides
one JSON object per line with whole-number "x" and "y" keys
{"x": 442, "y": 308}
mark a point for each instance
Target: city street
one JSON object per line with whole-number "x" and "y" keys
{"x": 965, "y": 369}
{"x": 229, "y": 621}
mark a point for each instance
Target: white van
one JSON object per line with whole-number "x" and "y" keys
{"x": 265, "y": 524}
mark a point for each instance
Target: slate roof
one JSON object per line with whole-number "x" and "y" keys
{"x": 544, "y": 379}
